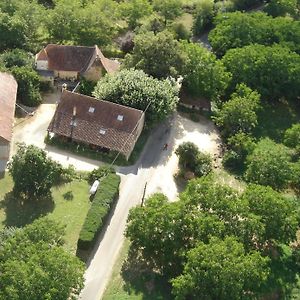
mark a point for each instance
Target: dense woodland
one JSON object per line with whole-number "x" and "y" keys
{"x": 215, "y": 242}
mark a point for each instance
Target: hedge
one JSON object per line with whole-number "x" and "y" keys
{"x": 106, "y": 194}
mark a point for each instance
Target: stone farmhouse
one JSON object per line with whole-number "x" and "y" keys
{"x": 102, "y": 125}
{"x": 73, "y": 62}
{"x": 8, "y": 95}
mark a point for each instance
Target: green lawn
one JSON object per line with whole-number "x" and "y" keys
{"x": 69, "y": 206}
{"x": 131, "y": 280}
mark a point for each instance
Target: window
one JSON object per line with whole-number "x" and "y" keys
{"x": 73, "y": 123}
{"x": 120, "y": 118}
{"x": 91, "y": 109}
{"x": 102, "y": 131}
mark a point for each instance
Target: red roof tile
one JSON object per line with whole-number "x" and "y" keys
{"x": 104, "y": 116}
{"x": 8, "y": 94}
{"x": 74, "y": 58}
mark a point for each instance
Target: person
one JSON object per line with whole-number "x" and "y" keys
{"x": 165, "y": 146}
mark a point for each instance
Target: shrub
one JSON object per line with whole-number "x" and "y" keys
{"x": 99, "y": 173}
{"x": 203, "y": 164}
{"x": 107, "y": 193}
{"x": 292, "y": 136}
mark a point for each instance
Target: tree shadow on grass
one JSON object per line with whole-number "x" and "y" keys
{"x": 139, "y": 278}
{"x": 20, "y": 212}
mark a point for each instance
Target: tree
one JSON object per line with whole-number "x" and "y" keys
{"x": 31, "y": 261}
{"x": 221, "y": 269}
{"x": 134, "y": 10}
{"x": 204, "y": 14}
{"x": 236, "y": 29}
{"x": 277, "y": 8}
{"x": 204, "y": 75}
{"x": 32, "y": 172}
{"x": 136, "y": 89}
{"x": 292, "y": 136}
{"x": 169, "y": 9}
{"x": 192, "y": 159}
{"x": 278, "y": 213}
{"x": 157, "y": 55}
{"x": 239, "y": 147}
{"x": 269, "y": 164}
{"x": 274, "y": 72}
{"x": 28, "y": 85}
{"x": 16, "y": 58}
{"x": 239, "y": 113}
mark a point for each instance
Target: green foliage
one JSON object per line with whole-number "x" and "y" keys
{"x": 28, "y": 85}
{"x": 204, "y": 14}
{"x": 154, "y": 23}
{"x": 157, "y": 55}
{"x": 239, "y": 147}
{"x": 181, "y": 32}
{"x": 204, "y": 75}
{"x": 239, "y": 114}
{"x": 295, "y": 181}
{"x": 273, "y": 71}
{"x": 136, "y": 89}
{"x": 33, "y": 173}
{"x": 277, "y": 8}
{"x": 31, "y": 261}
{"x": 269, "y": 164}
{"x": 169, "y": 9}
{"x": 134, "y": 10}
{"x": 16, "y": 58}
{"x": 220, "y": 269}
{"x": 199, "y": 240}
{"x": 99, "y": 173}
{"x": 106, "y": 194}
{"x": 192, "y": 159}
{"x": 245, "y": 4}
{"x": 276, "y": 212}
{"x": 292, "y": 136}
{"x": 86, "y": 87}
{"x": 236, "y": 29}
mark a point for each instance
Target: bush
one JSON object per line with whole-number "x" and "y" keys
{"x": 107, "y": 193}
{"x": 191, "y": 159}
{"x": 181, "y": 32}
{"x": 97, "y": 174}
{"x": 203, "y": 164}
{"x": 292, "y": 136}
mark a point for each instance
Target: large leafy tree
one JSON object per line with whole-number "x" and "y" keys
{"x": 34, "y": 266}
{"x": 269, "y": 164}
{"x": 157, "y": 55}
{"x": 28, "y": 85}
{"x": 16, "y": 58}
{"x": 203, "y": 74}
{"x": 169, "y": 9}
{"x": 273, "y": 71}
{"x": 278, "y": 213}
{"x": 134, "y": 10}
{"x": 33, "y": 173}
{"x": 221, "y": 270}
{"x": 239, "y": 113}
{"x": 277, "y": 8}
{"x": 136, "y": 89}
{"x": 234, "y": 30}
{"x": 292, "y": 136}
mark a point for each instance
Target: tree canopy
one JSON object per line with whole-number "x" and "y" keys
{"x": 34, "y": 266}
{"x": 269, "y": 164}
{"x": 157, "y": 55}
{"x": 274, "y": 71}
{"x": 239, "y": 113}
{"x": 136, "y": 89}
{"x": 236, "y": 29}
{"x": 33, "y": 173}
{"x": 203, "y": 74}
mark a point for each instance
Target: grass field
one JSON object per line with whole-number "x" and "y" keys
{"x": 69, "y": 205}
{"x": 130, "y": 280}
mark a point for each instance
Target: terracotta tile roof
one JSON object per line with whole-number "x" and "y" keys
{"x": 8, "y": 94}
{"x": 74, "y": 58}
{"x": 91, "y": 117}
